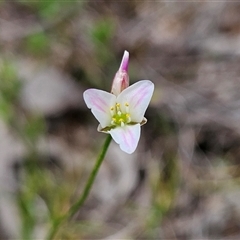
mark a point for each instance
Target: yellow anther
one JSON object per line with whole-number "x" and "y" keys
{"x": 127, "y": 107}
{"x": 120, "y": 118}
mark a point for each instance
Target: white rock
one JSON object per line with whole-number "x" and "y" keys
{"x": 47, "y": 90}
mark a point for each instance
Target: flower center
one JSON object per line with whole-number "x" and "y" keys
{"x": 120, "y": 118}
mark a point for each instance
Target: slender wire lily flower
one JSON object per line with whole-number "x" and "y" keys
{"x": 121, "y": 112}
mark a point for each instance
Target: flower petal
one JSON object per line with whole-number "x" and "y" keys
{"x": 120, "y": 82}
{"x": 127, "y": 137}
{"x": 100, "y": 103}
{"x": 124, "y": 63}
{"x": 138, "y": 97}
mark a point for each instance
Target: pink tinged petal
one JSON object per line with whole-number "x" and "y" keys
{"x": 127, "y": 137}
{"x": 120, "y": 82}
{"x": 138, "y": 97}
{"x": 121, "y": 79}
{"x": 124, "y": 63}
{"x": 100, "y": 103}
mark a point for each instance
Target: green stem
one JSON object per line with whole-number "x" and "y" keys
{"x": 75, "y": 207}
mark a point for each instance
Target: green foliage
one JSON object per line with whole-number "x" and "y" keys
{"x": 102, "y": 32}
{"x": 9, "y": 89}
{"x": 34, "y": 127}
{"x": 165, "y": 183}
{"x": 35, "y": 186}
{"x": 82, "y": 230}
{"x": 28, "y": 129}
{"x": 38, "y": 44}
{"x": 9, "y": 84}
{"x": 26, "y": 206}
{"x": 101, "y": 35}
{"x": 48, "y": 9}
{"x": 6, "y": 110}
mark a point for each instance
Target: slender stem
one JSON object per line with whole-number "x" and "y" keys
{"x": 75, "y": 207}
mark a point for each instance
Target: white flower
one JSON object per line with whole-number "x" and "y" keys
{"x": 121, "y": 115}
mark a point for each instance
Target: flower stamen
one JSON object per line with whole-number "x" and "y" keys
{"x": 128, "y": 118}
{"x": 127, "y": 107}
{"x": 120, "y": 118}
{"x": 112, "y": 111}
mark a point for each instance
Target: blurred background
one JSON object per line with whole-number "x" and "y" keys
{"x": 183, "y": 180}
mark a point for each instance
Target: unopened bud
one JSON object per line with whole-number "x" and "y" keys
{"x": 121, "y": 79}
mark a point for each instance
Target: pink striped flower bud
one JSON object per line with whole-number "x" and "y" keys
{"x": 121, "y": 79}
